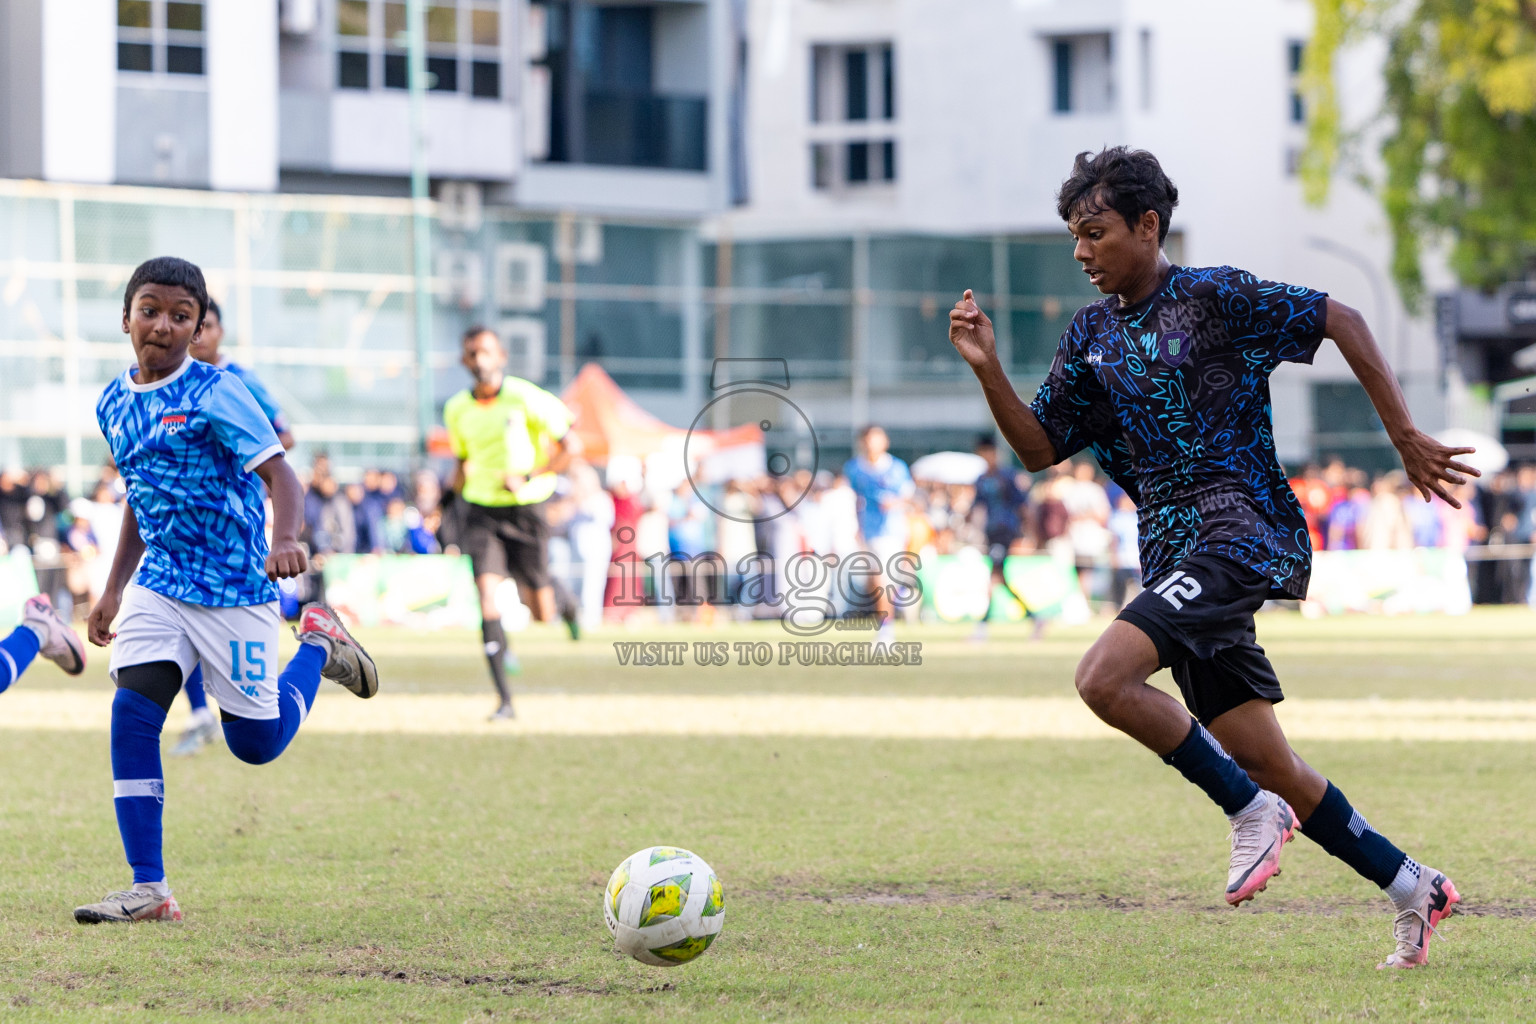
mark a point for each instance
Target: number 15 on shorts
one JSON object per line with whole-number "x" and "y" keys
{"x": 255, "y": 670}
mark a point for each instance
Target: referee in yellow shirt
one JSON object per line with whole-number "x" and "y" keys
{"x": 511, "y": 438}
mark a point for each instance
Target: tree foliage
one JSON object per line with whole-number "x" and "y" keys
{"x": 1460, "y": 157}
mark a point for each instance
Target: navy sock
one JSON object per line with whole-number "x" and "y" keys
{"x": 1343, "y": 832}
{"x": 1201, "y": 760}
{"x": 196, "y": 695}
{"x": 495, "y": 653}
{"x": 138, "y": 788}
{"x": 16, "y": 653}
{"x": 259, "y": 740}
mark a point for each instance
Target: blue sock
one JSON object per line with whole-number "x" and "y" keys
{"x": 1201, "y": 760}
{"x": 138, "y": 787}
{"x": 1342, "y": 831}
{"x": 16, "y": 653}
{"x": 196, "y": 695}
{"x": 257, "y": 741}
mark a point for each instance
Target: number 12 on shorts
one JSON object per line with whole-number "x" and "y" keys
{"x": 1187, "y": 590}
{"x": 255, "y": 661}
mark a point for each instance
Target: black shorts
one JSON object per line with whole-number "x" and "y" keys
{"x": 510, "y": 540}
{"x": 1200, "y": 617}
{"x": 998, "y": 543}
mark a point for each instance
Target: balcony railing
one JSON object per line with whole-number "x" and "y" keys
{"x": 630, "y": 130}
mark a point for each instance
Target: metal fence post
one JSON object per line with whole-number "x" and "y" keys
{"x": 421, "y": 228}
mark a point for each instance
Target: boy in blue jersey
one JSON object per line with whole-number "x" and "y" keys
{"x": 206, "y": 348}
{"x": 1167, "y": 381}
{"x": 204, "y": 726}
{"x": 194, "y": 450}
{"x": 884, "y": 487}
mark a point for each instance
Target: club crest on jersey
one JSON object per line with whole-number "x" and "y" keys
{"x": 1173, "y": 347}
{"x": 173, "y": 422}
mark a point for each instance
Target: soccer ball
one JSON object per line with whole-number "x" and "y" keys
{"x": 664, "y": 906}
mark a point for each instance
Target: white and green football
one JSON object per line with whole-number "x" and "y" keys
{"x": 664, "y": 906}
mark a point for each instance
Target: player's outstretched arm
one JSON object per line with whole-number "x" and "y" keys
{"x": 1430, "y": 465}
{"x": 130, "y": 548}
{"x": 286, "y": 559}
{"x": 970, "y": 331}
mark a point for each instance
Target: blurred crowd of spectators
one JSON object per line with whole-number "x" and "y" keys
{"x": 1347, "y": 510}
{"x": 1069, "y": 512}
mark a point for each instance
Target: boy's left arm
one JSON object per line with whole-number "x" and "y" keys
{"x": 286, "y": 558}
{"x": 1430, "y": 464}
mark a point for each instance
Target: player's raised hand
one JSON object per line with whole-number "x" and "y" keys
{"x": 970, "y": 331}
{"x": 1431, "y": 465}
{"x": 286, "y": 560}
{"x": 98, "y": 628}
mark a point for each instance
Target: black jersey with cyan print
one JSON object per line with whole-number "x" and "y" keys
{"x": 1172, "y": 397}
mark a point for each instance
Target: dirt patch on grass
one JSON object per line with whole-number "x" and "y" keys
{"x": 509, "y": 985}
{"x": 1049, "y": 900}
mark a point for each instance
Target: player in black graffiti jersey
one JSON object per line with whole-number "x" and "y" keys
{"x": 1166, "y": 380}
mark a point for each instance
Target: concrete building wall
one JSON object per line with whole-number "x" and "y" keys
{"x": 21, "y": 89}
{"x": 79, "y": 95}
{"x": 242, "y": 95}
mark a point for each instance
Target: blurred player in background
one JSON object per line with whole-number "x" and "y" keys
{"x": 194, "y": 450}
{"x": 206, "y": 349}
{"x": 512, "y": 439}
{"x": 1166, "y": 380}
{"x": 884, "y": 487}
{"x": 1002, "y": 502}
{"x": 204, "y": 725}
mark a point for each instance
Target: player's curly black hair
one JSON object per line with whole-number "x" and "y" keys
{"x": 172, "y": 272}
{"x": 1128, "y": 181}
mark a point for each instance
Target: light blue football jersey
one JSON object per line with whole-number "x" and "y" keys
{"x": 186, "y": 446}
{"x": 874, "y": 485}
{"x": 258, "y": 391}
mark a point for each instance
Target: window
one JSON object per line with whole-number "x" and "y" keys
{"x": 463, "y": 46}
{"x": 1082, "y": 74}
{"x": 609, "y": 86}
{"x": 853, "y": 83}
{"x": 853, "y": 107}
{"x": 164, "y": 36}
{"x": 1295, "y": 53}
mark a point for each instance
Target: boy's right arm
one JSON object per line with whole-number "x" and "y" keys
{"x": 970, "y": 331}
{"x": 130, "y": 548}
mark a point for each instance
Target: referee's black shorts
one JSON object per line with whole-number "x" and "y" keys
{"x": 1200, "y": 617}
{"x": 508, "y": 540}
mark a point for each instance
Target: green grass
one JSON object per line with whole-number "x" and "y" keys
{"x": 407, "y": 878}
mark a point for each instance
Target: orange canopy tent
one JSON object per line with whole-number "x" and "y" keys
{"x": 610, "y": 423}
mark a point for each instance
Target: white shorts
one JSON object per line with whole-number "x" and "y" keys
{"x": 886, "y": 547}
{"x": 237, "y": 647}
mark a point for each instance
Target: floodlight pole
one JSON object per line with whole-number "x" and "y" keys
{"x": 421, "y": 223}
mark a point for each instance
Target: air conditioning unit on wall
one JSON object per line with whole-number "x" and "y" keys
{"x": 300, "y": 17}
{"x": 464, "y": 273}
{"x": 518, "y": 276}
{"x": 524, "y": 339}
{"x": 459, "y": 205}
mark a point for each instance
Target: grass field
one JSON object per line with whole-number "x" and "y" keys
{"x": 403, "y": 877}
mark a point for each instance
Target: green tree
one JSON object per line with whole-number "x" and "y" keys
{"x": 1460, "y": 159}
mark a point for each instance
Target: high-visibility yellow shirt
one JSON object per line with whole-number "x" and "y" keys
{"x": 510, "y": 433}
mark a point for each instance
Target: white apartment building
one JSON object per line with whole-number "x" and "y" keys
{"x": 869, "y": 117}
{"x": 665, "y": 182}
{"x": 547, "y": 103}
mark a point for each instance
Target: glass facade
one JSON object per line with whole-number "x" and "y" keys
{"x": 317, "y": 297}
